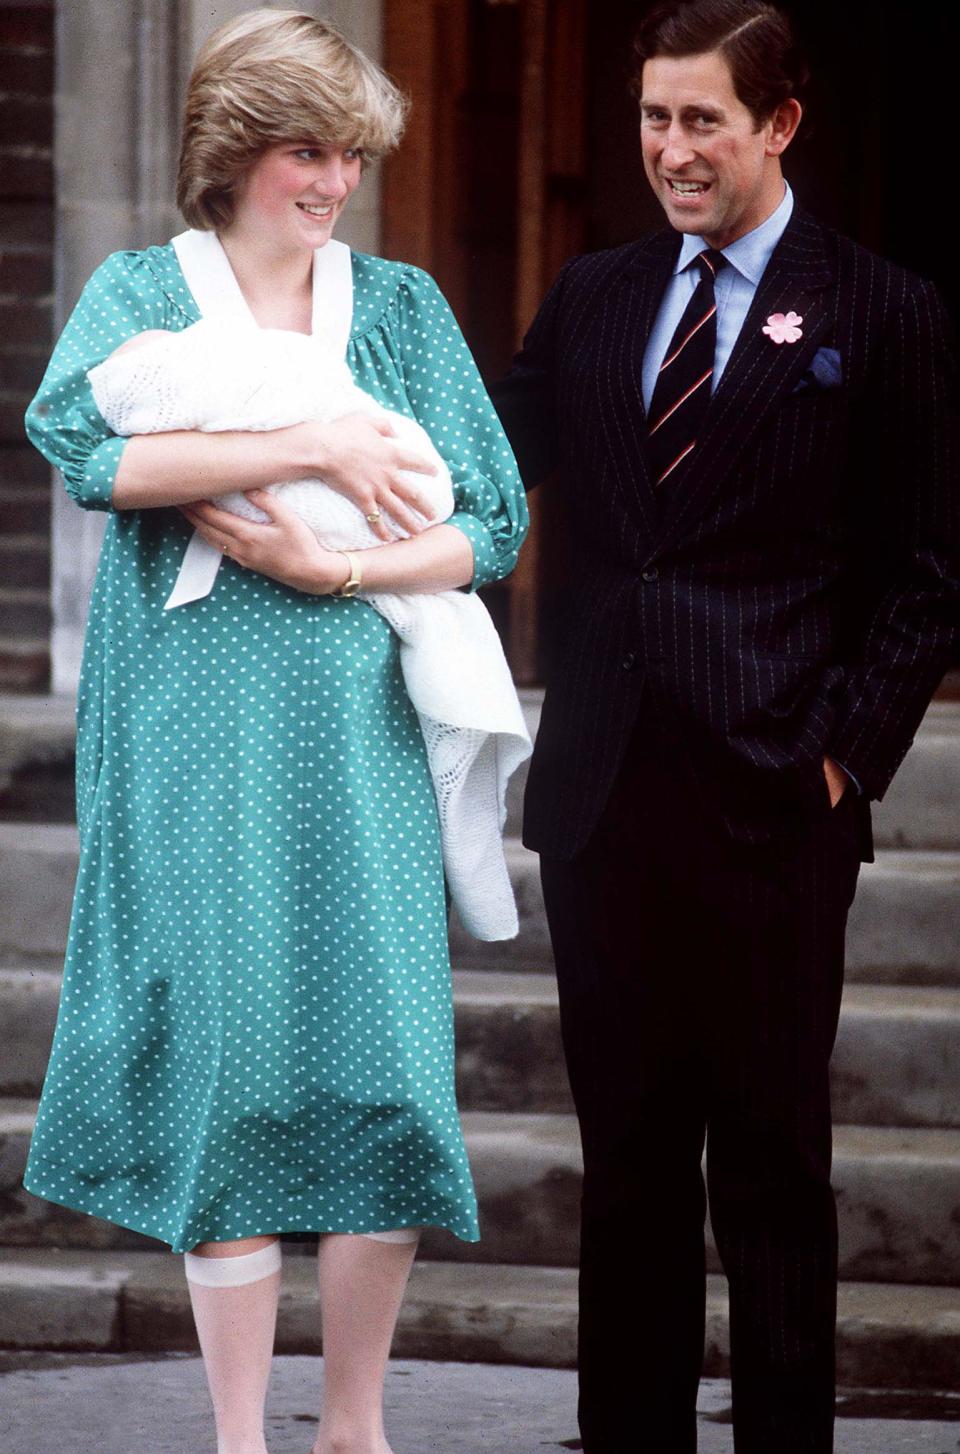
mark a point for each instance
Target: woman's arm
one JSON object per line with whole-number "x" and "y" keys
{"x": 105, "y": 471}
{"x": 448, "y": 398}
{"x": 440, "y": 558}
{"x": 355, "y": 454}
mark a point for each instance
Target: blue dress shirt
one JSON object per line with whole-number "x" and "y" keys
{"x": 734, "y": 290}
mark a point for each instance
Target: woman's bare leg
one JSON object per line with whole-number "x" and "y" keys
{"x": 236, "y": 1326}
{"x": 362, "y": 1282}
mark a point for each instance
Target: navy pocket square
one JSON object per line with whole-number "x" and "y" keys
{"x": 825, "y": 371}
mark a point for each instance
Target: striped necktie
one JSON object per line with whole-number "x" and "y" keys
{"x": 682, "y": 390}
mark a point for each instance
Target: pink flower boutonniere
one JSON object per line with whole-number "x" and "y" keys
{"x": 784, "y": 327}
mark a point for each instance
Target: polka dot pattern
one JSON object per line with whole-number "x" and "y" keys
{"x": 255, "y": 1032}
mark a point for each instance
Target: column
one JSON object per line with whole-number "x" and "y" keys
{"x": 121, "y": 75}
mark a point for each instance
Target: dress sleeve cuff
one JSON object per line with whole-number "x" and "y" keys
{"x": 481, "y": 541}
{"x": 96, "y": 491}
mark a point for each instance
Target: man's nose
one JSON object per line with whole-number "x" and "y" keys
{"x": 677, "y": 151}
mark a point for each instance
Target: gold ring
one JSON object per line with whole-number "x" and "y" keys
{"x": 374, "y": 517}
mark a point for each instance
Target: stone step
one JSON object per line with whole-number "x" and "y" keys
{"x": 24, "y": 659}
{"x": 37, "y": 758}
{"x": 895, "y": 1061}
{"x": 897, "y": 1192}
{"x": 904, "y": 925}
{"x": 137, "y": 1302}
{"x": 921, "y": 809}
{"x": 38, "y": 866}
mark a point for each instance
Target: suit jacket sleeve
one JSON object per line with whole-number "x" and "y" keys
{"x": 910, "y": 508}
{"x": 525, "y": 398}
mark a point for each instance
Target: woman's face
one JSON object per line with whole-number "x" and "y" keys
{"x": 295, "y": 192}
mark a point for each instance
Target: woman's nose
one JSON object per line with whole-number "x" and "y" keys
{"x": 331, "y": 179}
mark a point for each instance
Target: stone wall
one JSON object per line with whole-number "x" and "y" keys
{"x": 26, "y": 286}
{"x": 120, "y": 76}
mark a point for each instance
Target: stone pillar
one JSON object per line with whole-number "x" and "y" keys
{"x": 121, "y": 72}
{"x": 116, "y": 105}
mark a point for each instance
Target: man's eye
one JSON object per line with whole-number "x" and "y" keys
{"x": 354, "y": 153}
{"x": 655, "y": 117}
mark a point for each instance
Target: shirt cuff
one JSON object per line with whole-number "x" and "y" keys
{"x": 850, "y": 775}
{"x": 481, "y": 541}
{"x": 96, "y": 491}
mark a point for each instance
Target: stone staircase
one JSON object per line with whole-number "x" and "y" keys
{"x": 71, "y": 1282}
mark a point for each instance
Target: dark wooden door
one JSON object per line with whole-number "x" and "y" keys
{"x": 487, "y": 193}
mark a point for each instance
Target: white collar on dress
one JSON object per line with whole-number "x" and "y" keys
{"x": 212, "y": 281}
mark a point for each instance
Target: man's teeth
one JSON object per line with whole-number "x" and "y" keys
{"x": 315, "y": 211}
{"x": 688, "y": 189}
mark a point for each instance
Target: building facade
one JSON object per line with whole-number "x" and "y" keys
{"x": 521, "y": 150}
{"x": 90, "y": 99}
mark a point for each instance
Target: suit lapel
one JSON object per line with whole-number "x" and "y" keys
{"x": 631, "y": 308}
{"x": 759, "y": 373}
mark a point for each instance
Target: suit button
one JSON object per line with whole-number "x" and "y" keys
{"x": 629, "y": 661}
{"x": 651, "y": 573}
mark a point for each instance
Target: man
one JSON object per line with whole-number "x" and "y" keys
{"x": 753, "y": 422}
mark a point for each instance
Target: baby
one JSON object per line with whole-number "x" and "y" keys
{"x": 218, "y": 375}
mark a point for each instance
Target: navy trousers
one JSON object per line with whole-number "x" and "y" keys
{"x": 700, "y": 984}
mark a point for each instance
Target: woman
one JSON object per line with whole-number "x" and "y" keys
{"x": 255, "y": 1031}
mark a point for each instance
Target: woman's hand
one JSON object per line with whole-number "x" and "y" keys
{"x": 283, "y": 547}
{"x": 358, "y": 455}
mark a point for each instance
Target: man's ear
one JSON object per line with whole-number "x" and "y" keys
{"x": 783, "y": 126}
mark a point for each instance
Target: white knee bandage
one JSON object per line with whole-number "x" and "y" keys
{"x": 396, "y": 1234}
{"x": 233, "y": 1271}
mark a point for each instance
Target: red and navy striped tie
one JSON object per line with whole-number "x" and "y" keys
{"x": 682, "y": 390}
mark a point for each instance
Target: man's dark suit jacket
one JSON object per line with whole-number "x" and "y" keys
{"x": 797, "y": 593}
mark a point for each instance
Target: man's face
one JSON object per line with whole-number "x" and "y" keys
{"x": 714, "y": 172}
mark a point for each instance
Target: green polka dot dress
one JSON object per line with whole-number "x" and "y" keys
{"x": 255, "y": 1032}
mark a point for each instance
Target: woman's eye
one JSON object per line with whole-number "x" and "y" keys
{"x": 312, "y": 153}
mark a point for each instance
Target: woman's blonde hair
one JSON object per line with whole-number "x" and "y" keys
{"x": 269, "y": 77}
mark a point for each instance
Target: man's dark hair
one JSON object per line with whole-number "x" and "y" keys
{"x": 755, "y": 39}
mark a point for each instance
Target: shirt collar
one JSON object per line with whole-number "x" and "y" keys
{"x": 750, "y": 253}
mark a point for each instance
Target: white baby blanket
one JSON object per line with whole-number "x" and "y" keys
{"x": 226, "y": 373}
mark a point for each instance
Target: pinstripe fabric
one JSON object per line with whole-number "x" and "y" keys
{"x": 678, "y": 1024}
{"x": 799, "y": 592}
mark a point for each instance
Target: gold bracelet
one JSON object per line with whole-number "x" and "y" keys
{"x": 353, "y": 582}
